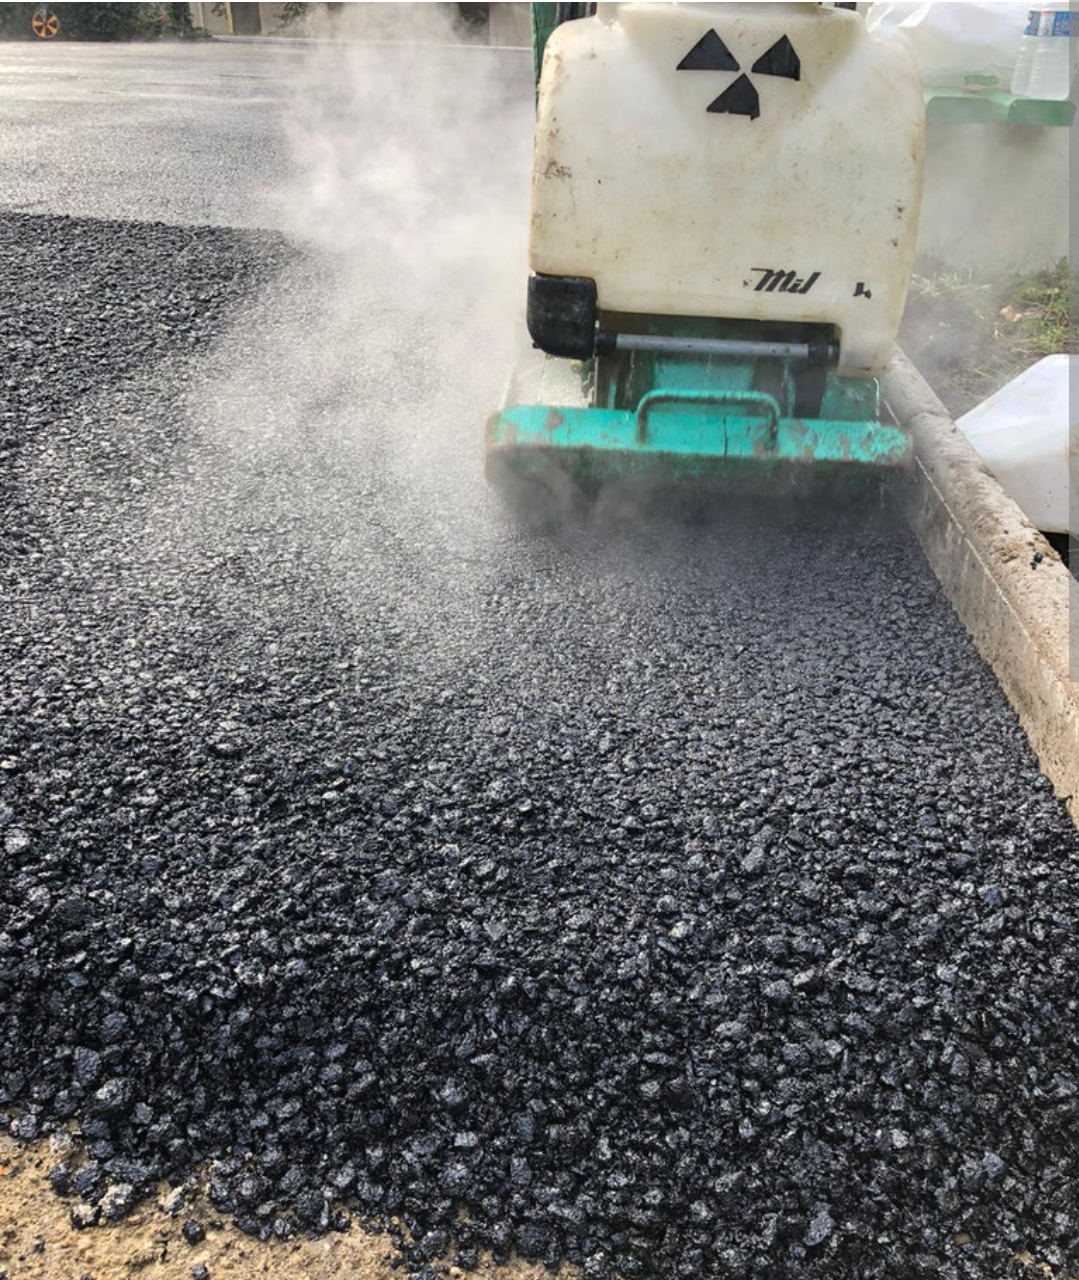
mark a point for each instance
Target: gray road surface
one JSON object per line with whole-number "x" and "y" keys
{"x": 184, "y": 133}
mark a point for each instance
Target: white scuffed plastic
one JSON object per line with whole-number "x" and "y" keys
{"x": 1028, "y": 438}
{"x": 674, "y": 210}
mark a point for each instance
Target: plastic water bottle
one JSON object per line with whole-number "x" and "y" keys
{"x": 1021, "y": 74}
{"x": 1044, "y": 66}
{"x": 1051, "y": 73}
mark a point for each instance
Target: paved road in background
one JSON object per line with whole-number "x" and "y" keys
{"x": 179, "y": 133}
{"x": 678, "y": 895}
{"x": 170, "y": 132}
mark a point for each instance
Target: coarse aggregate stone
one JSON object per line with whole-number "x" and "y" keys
{"x": 673, "y": 896}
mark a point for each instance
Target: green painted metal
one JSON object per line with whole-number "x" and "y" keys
{"x": 681, "y": 435}
{"x": 996, "y": 108}
{"x": 681, "y": 417}
{"x": 851, "y": 399}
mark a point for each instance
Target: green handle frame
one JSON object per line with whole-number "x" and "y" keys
{"x": 718, "y": 399}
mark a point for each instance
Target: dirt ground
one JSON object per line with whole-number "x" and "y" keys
{"x": 38, "y": 1242}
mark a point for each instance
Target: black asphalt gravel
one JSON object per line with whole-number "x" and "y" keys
{"x": 677, "y": 897}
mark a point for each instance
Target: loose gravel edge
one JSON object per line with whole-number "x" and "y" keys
{"x": 1008, "y": 587}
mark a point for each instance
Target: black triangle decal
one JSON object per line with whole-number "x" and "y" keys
{"x": 780, "y": 60}
{"x": 709, "y": 54}
{"x": 739, "y": 100}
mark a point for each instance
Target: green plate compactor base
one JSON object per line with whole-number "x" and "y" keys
{"x": 696, "y": 409}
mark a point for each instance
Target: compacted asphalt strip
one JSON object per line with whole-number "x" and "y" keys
{"x": 673, "y": 895}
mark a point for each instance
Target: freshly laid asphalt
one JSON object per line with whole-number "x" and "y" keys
{"x": 672, "y": 895}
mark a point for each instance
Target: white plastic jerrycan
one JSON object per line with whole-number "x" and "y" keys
{"x": 1027, "y": 436}
{"x": 743, "y": 161}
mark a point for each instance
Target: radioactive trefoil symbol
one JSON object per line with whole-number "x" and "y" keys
{"x": 741, "y": 98}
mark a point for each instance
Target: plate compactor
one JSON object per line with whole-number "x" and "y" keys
{"x": 724, "y": 209}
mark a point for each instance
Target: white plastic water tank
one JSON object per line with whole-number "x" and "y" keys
{"x": 1026, "y": 435}
{"x": 745, "y": 161}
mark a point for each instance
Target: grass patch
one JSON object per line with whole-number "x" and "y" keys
{"x": 970, "y": 336}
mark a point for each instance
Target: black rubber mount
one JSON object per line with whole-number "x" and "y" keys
{"x": 562, "y": 315}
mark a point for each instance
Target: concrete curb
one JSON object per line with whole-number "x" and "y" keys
{"x": 982, "y": 548}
